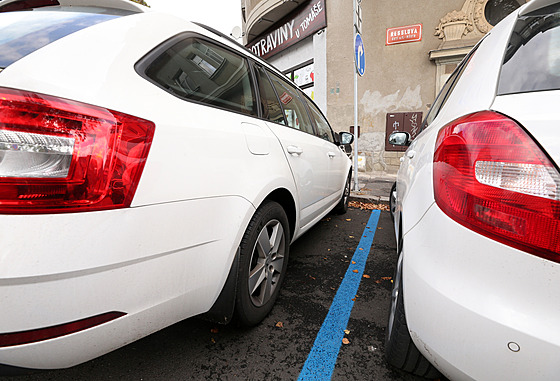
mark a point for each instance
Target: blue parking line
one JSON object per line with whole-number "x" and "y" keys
{"x": 322, "y": 358}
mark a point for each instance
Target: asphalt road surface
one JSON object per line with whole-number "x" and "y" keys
{"x": 278, "y": 348}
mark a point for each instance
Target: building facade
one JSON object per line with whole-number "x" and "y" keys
{"x": 411, "y": 48}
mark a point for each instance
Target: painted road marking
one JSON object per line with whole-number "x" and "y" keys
{"x": 322, "y": 358}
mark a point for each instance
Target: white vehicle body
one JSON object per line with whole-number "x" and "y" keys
{"x": 167, "y": 256}
{"x": 477, "y": 308}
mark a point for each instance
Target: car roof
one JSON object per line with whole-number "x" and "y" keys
{"x": 125, "y": 5}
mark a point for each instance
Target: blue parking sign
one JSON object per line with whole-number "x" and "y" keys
{"x": 359, "y": 55}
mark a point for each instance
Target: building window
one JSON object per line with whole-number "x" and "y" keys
{"x": 304, "y": 76}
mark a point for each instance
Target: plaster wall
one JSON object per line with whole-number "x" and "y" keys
{"x": 398, "y": 78}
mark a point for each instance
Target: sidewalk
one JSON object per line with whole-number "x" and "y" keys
{"x": 373, "y": 187}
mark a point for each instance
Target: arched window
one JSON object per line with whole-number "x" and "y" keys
{"x": 496, "y": 10}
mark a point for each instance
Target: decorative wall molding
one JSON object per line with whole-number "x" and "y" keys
{"x": 454, "y": 26}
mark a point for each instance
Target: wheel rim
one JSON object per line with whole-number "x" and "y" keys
{"x": 395, "y": 295}
{"x": 267, "y": 262}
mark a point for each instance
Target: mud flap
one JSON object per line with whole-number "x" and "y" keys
{"x": 222, "y": 310}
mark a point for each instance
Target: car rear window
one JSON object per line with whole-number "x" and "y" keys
{"x": 532, "y": 60}
{"x": 21, "y": 33}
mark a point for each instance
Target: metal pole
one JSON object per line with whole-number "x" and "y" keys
{"x": 356, "y": 185}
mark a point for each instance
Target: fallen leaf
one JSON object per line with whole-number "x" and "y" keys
{"x": 213, "y": 341}
{"x": 214, "y": 330}
{"x": 366, "y": 276}
{"x": 368, "y": 206}
{"x": 280, "y": 324}
{"x": 355, "y": 271}
{"x": 346, "y": 331}
{"x": 345, "y": 341}
{"x": 354, "y": 299}
{"x": 351, "y": 236}
{"x": 353, "y": 262}
{"x": 348, "y": 219}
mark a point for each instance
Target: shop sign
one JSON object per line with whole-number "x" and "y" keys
{"x": 402, "y": 34}
{"x": 307, "y": 21}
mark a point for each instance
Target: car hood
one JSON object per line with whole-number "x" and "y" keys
{"x": 538, "y": 113}
{"x": 125, "y": 5}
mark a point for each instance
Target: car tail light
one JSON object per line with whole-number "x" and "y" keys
{"x": 58, "y": 155}
{"x": 491, "y": 177}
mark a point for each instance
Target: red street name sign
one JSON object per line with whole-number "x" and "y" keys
{"x": 402, "y": 34}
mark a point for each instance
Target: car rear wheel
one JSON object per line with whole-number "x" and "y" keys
{"x": 400, "y": 350}
{"x": 393, "y": 200}
{"x": 264, "y": 253}
{"x": 342, "y": 206}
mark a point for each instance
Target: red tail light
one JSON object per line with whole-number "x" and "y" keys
{"x": 58, "y": 155}
{"x": 491, "y": 177}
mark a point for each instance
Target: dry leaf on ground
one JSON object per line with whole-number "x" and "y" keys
{"x": 368, "y": 206}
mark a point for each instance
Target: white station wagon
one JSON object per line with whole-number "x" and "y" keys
{"x": 150, "y": 171}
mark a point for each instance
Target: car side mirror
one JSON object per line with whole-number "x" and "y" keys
{"x": 346, "y": 138}
{"x": 399, "y": 138}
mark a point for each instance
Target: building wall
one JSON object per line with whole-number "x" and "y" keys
{"x": 398, "y": 78}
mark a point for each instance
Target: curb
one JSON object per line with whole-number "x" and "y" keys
{"x": 369, "y": 198}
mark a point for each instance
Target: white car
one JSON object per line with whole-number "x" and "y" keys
{"x": 477, "y": 214}
{"x": 150, "y": 171}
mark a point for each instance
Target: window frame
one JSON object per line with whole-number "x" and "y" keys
{"x": 143, "y": 63}
{"x": 298, "y": 93}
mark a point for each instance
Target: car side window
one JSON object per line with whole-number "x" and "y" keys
{"x": 447, "y": 89}
{"x": 294, "y": 109}
{"x": 324, "y": 130}
{"x": 270, "y": 105}
{"x": 197, "y": 70}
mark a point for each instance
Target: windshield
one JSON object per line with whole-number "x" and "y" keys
{"x": 532, "y": 60}
{"x": 21, "y": 33}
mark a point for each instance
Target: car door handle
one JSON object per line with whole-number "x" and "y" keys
{"x": 331, "y": 154}
{"x": 294, "y": 150}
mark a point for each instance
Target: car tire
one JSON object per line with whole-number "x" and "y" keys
{"x": 400, "y": 350}
{"x": 342, "y": 206}
{"x": 393, "y": 200}
{"x": 264, "y": 252}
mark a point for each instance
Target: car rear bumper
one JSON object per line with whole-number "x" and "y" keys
{"x": 478, "y": 309}
{"x": 158, "y": 265}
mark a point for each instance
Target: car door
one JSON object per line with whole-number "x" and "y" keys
{"x": 338, "y": 162}
{"x": 290, "y": 122}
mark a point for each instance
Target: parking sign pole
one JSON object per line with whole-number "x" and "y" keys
{"x": 356, "y": 185}
{"x": 356, "y": 29}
